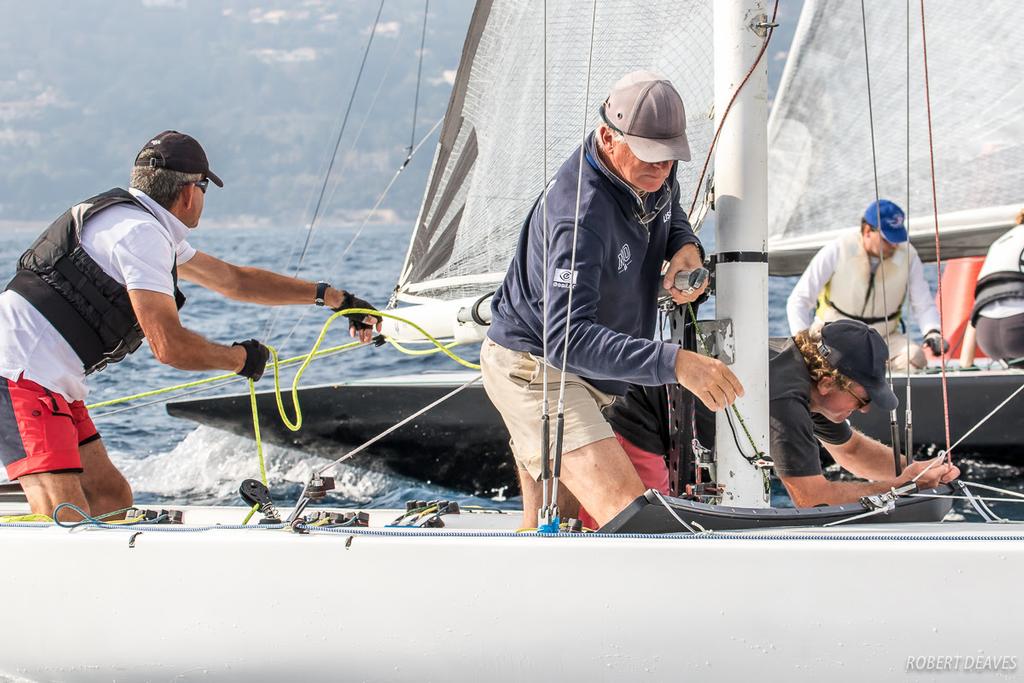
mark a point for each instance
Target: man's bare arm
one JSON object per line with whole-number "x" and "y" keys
{"x": 175, "y": 345}
{"x": 864, "y": 457}
{"x": 254, "y": 285}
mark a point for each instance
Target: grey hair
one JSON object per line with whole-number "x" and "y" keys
{"x": 162, "y": 185}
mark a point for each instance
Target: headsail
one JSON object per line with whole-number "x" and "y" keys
{"x": 488, "y": 169}
{"x": 819, "y": 167}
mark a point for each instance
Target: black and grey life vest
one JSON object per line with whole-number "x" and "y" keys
{"x": 90, "y": 309}
{"x": 1002, "y": 276}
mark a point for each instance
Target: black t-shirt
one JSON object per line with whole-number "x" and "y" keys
{"x": 794, "y": 428}
{"x": 641, "y": 417}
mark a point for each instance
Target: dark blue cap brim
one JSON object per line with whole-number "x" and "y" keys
{"x": 895, "y": 236}
{"x": 881, "y": 396}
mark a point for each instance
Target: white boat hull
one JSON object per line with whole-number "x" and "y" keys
{"x": 810, "y": 604}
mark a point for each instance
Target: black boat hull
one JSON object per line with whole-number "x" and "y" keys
{"x": 462, "y": 444}
{"x": 971, "y": 396}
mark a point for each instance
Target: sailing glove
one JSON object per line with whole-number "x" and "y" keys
{"x": 934, "y": 341}
{"x": 348, "y": 300}
{"x": 256, "y": 357}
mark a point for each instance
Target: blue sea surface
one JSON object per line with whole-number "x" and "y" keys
{"x": 173, "y": 461}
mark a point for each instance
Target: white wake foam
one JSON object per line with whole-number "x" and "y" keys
{"x": 208, "y": 465}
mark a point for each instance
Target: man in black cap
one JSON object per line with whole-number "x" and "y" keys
{"x": 610, "y": 222}
{"x": 101, "y": 278}
{"x": 816, "y": 380}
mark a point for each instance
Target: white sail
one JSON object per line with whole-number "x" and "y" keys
{"x": 820, "y": 165}
{"x": 489, "y": 165}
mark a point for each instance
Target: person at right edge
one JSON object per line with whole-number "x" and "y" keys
{"x": 998, "y": 313}
{"x": 629, "y": 222}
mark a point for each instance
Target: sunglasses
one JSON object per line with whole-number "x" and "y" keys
{"x": 202, "y": 184}
{"x": 861, "y": 402}
{"x": 663, "y": 199}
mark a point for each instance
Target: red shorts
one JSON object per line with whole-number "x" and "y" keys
{"x": 651, "y": 468}
{"x": 40, "y": 431}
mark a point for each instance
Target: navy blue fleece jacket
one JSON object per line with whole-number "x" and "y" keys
{"x": 617, "y": 276}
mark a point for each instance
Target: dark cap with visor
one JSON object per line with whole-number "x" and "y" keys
{"x": 178, "y": 152}
{"x": 860, "y": 353}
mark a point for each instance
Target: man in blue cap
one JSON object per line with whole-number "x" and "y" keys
{"x": 866, "y": 275}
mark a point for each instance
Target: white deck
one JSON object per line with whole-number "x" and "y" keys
{"x": 476, "y": 602}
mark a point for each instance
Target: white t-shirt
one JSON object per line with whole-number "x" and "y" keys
{"x": 132, "y": 247}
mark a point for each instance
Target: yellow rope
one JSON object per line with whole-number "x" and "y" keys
{"x": 14, "y": 519}
{"x": 200, "y": 382}
{"x": 297, "y": 424}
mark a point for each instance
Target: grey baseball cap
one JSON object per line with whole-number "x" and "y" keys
{"x": 860, "y": 353}
{"x": 648, "y": 111}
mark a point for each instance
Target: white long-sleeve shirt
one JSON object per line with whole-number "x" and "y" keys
{"x": 803, "y": 299}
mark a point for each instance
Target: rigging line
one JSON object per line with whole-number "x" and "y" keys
{"x": 572, "y": 269}
{"x": 984, "y": 419}
{"x": 337, "y": 142}
{"x": 392, "y": 428}
{"x": 935, "y": 209}
{"x": 909, "y": 419}
{"x": 989, "y": 499}
{"x": 1007, "y": 492}
{"x": 269, "y": 330}
{"x": 370, "y": 214}
{"x": 419, "y": 76}
{"x": 545, "y": 416}
{"x": 725, "y": 114}
{"x": 893, "y": 423}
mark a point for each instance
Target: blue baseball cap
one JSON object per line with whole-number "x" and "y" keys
{"x": 860, "y": 353}
{"x": 893, "y": 229}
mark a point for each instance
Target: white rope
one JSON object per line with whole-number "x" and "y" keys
{"x": 1007, "y": 492}
{"x": 953, "y": 496}
{"x": 392, "y": 428}
{"x": 985, "y": 419}
{"x": 672, "y": 512}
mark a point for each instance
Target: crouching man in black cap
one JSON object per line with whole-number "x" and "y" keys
{"x": 816, "y": 380}
{"x": 101, "y": 278}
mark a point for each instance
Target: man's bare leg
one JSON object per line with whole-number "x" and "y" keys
{"x": 568, "y": 506}
{"x": 46, "y": 490}
{"x": 105, "y": 487}
{"x": 602, "y": 478}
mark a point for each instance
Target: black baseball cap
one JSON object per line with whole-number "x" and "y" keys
{"x": 860, "y": 353}
{"x": 178, "y": 152}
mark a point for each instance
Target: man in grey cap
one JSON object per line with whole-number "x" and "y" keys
{"x": 610, "y": 227}
{"x": 99, "y": 280}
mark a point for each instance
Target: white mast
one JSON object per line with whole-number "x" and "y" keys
{"x": 741, "y": 180}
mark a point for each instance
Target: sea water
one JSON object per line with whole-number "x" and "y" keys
{"x": 172, "y": 461}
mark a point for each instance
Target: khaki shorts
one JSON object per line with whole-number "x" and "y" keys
{"x": 513, "y": 381}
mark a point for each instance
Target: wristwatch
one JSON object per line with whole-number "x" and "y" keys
{"x": 321, "y": 290}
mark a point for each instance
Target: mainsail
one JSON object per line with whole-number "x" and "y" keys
{"x": 489, "y": 165}
{"x": 820, "y": 167}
